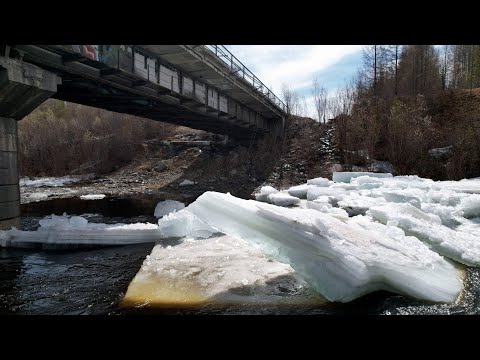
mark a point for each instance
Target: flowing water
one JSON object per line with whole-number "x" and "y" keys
{"x": 94, "y": 280}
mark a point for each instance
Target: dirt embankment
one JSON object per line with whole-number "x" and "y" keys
{"x": 308, "y": 153}
{"x": 305, "y": 152}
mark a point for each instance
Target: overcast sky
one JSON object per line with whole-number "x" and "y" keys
{"x": 298, "y": 65}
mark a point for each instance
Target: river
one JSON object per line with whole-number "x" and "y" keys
{"x": 90, "y": 281}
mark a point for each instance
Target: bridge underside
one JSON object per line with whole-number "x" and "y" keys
{"x": 119, "y": 88}
{"x": 81, "y": 91}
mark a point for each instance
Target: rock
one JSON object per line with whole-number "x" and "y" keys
{"x": 160, "y": 167}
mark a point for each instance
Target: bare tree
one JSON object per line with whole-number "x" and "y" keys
{"x": 303, "y": 107}
{"x": 320, "y": 97}
{"x": 291, "y": 99}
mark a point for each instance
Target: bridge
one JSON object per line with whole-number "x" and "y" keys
{"x": 199, "y": 86}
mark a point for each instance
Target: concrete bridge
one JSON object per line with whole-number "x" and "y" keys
{"x": 199, "y": 86}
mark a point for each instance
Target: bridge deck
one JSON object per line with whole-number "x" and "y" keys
{"x": 181, "y": 84}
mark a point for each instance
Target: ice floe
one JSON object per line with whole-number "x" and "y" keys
{"x": 341, "y": 260}
{"x": 76, "y": 230}
{"x": 219, "y": 270}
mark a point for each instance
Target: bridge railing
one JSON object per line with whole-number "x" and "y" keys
{"x": 242, "y": 71}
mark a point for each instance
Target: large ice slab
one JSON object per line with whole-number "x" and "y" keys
{"x": 76, "y": 230}
{"x": 460, "y": 246}
{"x": 340, "y": 260}
{"x": 220, "y": 270}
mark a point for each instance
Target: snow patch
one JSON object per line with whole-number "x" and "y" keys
{"x": 52, "y": 181}
{"x": 187, "y": 182}
{"x": 92, "y": 197}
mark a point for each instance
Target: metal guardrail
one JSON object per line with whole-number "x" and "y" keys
{"x": 242, "y": 71}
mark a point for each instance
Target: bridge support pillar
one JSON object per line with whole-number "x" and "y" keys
{"x": 23, "y": 87}
{"x": 9, "y": 190}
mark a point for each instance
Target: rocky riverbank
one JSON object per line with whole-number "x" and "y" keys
{"x": 207, "y": 162}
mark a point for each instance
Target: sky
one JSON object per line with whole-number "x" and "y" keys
{"x": 298, "y": 65}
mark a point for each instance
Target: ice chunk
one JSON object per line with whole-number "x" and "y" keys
{"x": 281, "y": 199}
{"x": 342, "y": 261}
{"x": 355, "y": 204}
{"x": 186, "y": 182}
{"x": 300, "y": 191}
{"x": 470, "y": 186}
{"x": 319, "y": 182}
{"x": 401, "y": 196}
{"x": 166, "y": 207}
{"x": 92, "y": 197}
{"x": 327, "y": 209}
{"x": 264, "y": 192}
{"x": 459, "y": 246}
{"x": 365, "y": 179}
{"x": 184, "y": 223}
{"x": 445, "y": 197}
{"x": 448, "y": 215}
{"x": 470, "y": 206}
{"x": 346, "y": 177}
{"x": 221, "y": 270}
{"x": 316, "y": 192}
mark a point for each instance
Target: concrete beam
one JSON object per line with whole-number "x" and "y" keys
{"x": 23, "y": 87}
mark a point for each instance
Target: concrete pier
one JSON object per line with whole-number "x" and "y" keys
{"x": 22, "y": 88}
{"x": 9, "y": 190}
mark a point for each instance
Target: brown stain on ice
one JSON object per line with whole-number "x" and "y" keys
{"x": 163, "y": 291}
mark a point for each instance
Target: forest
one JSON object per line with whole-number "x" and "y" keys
{"x": 404, "y": 102}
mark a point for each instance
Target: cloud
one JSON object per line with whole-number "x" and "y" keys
{"x": 294, "y": 65}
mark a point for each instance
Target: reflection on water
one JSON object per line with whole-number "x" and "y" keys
{"x": 93, "y": 281}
